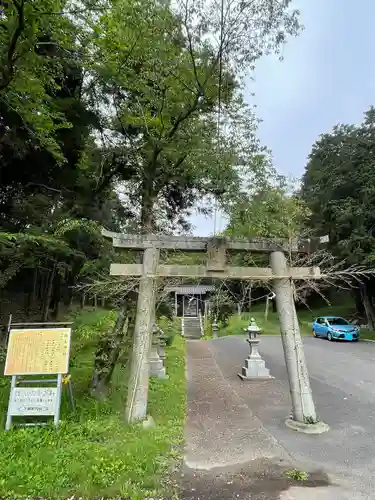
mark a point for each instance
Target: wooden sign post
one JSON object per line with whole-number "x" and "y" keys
{"x": 37, "y": 351}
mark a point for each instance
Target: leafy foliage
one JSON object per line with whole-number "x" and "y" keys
{"x": 113, "y": 126}
{"x": 35, "y": 44}
{"x": 267, "y": 209}
{"x": 166, "y": 84}
{"x": 338, "y": 188}
{"x": 222, "y": 306}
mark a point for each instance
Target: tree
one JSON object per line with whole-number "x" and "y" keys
{"x": 338, "y": 187}
{"x": 169, "y": 87}
{"x": 50, "y": 162}
{"x": 114, "y": 111}
{"x": 222, "y": 306}
{"x": 167, "y": 82}
{"x": 271, "y": 210}
{"x": 35, "y": 43}
{"x": 265, "y": 207}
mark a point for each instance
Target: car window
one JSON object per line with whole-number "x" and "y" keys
{"x": 338, "y": 321}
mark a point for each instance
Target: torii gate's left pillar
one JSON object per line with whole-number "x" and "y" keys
{"x": 136, "y": 405}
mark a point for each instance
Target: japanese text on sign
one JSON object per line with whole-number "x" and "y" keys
{"x": 34, "y": 401}
{"x": 38, "y": 351}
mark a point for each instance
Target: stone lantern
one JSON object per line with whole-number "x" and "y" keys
{"x": 215, "y": 329}
{"x": 156, "y": 365}
{"x": 162, "y": 342}
{"x": 255, "y": 367}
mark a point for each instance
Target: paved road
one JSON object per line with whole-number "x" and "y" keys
{"x": 343, "y": 382}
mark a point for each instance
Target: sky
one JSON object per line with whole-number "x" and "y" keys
{"x": 327, "y": 76}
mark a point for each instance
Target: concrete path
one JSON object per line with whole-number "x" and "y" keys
{"x": 237, "y": 445}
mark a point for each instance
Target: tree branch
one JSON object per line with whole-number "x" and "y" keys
{"x": 8, "y": 70}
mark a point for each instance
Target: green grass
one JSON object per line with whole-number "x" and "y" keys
{"x": 94, "y": 453}
{"x": 367, "y": 334}
{"x": 236, "y": 324}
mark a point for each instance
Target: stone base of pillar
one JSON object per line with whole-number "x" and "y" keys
{"x": 255, "y": 367}
{"x": 315, "y": 428}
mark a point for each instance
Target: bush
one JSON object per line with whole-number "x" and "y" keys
{"x": 235, "y": 326}
{"x": 207, "y": 326}
{"x": 171, "y": 328}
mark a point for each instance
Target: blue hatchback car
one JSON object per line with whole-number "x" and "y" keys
{"x": 335, "y": 328}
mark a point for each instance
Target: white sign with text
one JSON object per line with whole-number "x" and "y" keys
{"x": 33, "y": 401}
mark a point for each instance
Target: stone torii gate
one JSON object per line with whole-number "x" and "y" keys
{"x": 216, "y": 267}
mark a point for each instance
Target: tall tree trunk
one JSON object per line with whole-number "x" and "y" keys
{"x": 147, "y": 211}
{"x": 42, "y": 288}
{"x": 107, "y": 354}
{"x": 56, "y": 295}
{"x": 48, "y": 295}
{"x": 250, "y": 297}
{"x": 359, "y": 303}
{"x": 68, "y": 296}
{"x": 368, "y": 305}
{"x": 33, "y": 291}
{"x": 136, "y": 404}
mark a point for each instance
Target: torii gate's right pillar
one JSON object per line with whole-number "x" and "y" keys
{"x": 304, "y": 414}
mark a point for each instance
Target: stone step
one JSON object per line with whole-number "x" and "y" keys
{"x": 192, "y": 329}
{"x": 193, "y": 336}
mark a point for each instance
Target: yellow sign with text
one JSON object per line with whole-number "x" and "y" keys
{"x": 38, "y": 351}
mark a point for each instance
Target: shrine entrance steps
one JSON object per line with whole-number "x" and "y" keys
{"x": 192, "y": 328}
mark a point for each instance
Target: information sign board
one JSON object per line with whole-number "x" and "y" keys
{"x": 33, "y": 401}
{"x": 38, "y": 351}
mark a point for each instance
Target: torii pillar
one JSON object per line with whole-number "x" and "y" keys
{"x": 304, "y": 418}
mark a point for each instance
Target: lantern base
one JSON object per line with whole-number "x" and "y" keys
{"x": 156, "y": 366}
{"x": 255, "y": 369}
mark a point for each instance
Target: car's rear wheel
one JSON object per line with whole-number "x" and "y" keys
{"x": 314, "y": 333}
{"x": 329, "y": 336}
